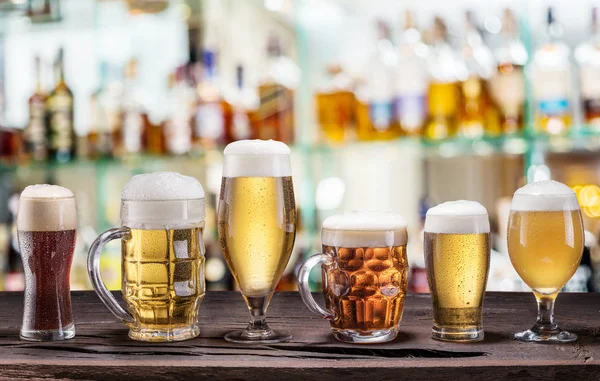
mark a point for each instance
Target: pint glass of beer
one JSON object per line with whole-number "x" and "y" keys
{"x": 365, "y": 276}
{"x": 257, "y": 227}
{"x": 457, "y": 257}
{"x": 46, "y": 230}
{"x": 162, "y": 250}
{"x": 545, "y": 244}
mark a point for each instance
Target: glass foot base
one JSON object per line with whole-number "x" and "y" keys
{"x": 65, "y": 333}
{"x": 463, "y": 335}
{"x": 554, "y": 336}
{"x": 158, "y": 335}
{"x": 258, "y": 337}
{"x": 381, "y": 336}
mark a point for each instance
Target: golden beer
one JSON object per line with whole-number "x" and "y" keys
{"x": 545, "y": 247}
{"x": 458, "y": 266}
{"x": 457, "y": 257}
{"x": 545, "y": 244}
{"x": 163, "y": 278}
{"x": 366, "y": 287}
{"x": 257, "y": 219}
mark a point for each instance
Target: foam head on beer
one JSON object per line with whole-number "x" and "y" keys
{"x": 547, "y": 195}
{"x": 364, "y": 229}
{"x": 257, "y": 158}
{"x": 162, "y": 186}
{"x": 457, "y": 217}
{"x": 155, "y": 200}
{"x": 46, "y": 207}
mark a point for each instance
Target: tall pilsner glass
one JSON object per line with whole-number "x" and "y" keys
{"x": 545, "y": 244}
{"x": 257, "y": 227}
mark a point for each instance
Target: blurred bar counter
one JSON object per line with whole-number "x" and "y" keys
{"x": 101, "y": 350}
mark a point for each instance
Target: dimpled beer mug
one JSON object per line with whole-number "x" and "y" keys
{"x": 162, "y": 217}
{"x": 365, "y": 275}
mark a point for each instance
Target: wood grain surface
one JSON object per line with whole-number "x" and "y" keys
{"x": 102, "y": 351}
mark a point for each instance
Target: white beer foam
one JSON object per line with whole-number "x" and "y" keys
{"x": 46, "y": 191}
{"x": 364, "y": 229}
{"x": 457, "y": 217}
{"x": 547, "y": 195}
{"x": 162, "y": 186}
{"x": 257, "y": 158}
{"x": 46, "y": 207}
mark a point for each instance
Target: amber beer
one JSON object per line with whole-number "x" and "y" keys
{"x": 365, "y": 275}
{"x": 46, "y": 230}
{"x": 457, "y": 257}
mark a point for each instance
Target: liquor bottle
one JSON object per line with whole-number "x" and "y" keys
{"x": 181, "y": 102}
{"x": 105, "y": 104}
{"x": 336, "y": 106}
{"x": 209, "y": 112}
{"x": 238, "y": 106}
{"x": 588, "y": 58}
{"x": 275, "y": 115}
{"x": 43, "y": 10}
{"x": 375, "y": 96}
{"x": 507, "y": 86}
{"x": 412, "y": 79}
{"x": 59, "y": 106}
{"x": 552, "y": 81}
{"x": 445, "y": 69}
{"x": 35, "y": 135}
{"x": 476, "y": 114}
{"x": 130, "y": 137}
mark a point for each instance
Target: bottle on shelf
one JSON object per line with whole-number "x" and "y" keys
{"x": 59, "y": 111}
{"x": 375, "y": 95}
{"x": 588, "y": 57}
{"x": 35, "y": 134}
{"x": 445, "y": 69}
{"x": 552, "y": 70}
{"x": 412, "y": 79}
{"x": 336, "y": 106}
{"x": 209, "y": 128}
{"x": 130, "y": 137}
{"x": 181, "y": 102}
{"x": 106, "y": 115}
{"x": 275, "y": 115}
{"x": 238, "y": 107}
{"x": 476, "y": 115}
{"x": 507, "y": 86}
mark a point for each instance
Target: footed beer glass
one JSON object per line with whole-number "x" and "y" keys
{"x": 257, "y": 227}
{"x": 545, "y": 244}
{"x": 162, "y": 249}
{"x": 365, "y": 276}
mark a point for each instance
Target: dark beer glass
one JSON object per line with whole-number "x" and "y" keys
{"x": 46, "y": 229}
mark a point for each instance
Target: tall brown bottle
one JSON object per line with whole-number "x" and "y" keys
{"x": 35, "y": 135}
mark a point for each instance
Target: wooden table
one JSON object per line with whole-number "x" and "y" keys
{"x": 102, "y": 351}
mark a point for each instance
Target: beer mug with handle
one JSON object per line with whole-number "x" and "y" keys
{"x": 365, "y": 276}
{"x": 162, "y": 217}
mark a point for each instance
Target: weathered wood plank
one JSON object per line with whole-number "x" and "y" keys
{"x": 101, "y": 350}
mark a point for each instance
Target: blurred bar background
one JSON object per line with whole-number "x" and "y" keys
{"x": 386, "y": 105}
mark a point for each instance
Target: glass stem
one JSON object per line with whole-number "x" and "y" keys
{"x": 258, "y": 313}
{"x": 545, "y": 319}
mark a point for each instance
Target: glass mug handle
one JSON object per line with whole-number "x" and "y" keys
{"x": 305, "y": 294}
{"x": 94, "y": 272}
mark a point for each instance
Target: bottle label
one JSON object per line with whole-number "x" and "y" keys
{"x": 508, "y": 90}
{"x": 241, "y": 124}
{"x": 410, "y": 111}
{"x": 133, "y": 126}
{"x": 590, "y": 86}
{"x": 36, "y": 130}
{"x": 209, "y": 121}
{"x": 381, "y": 114}
{"x": 61, "y": 122}
{"x": 553, "y": 107}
